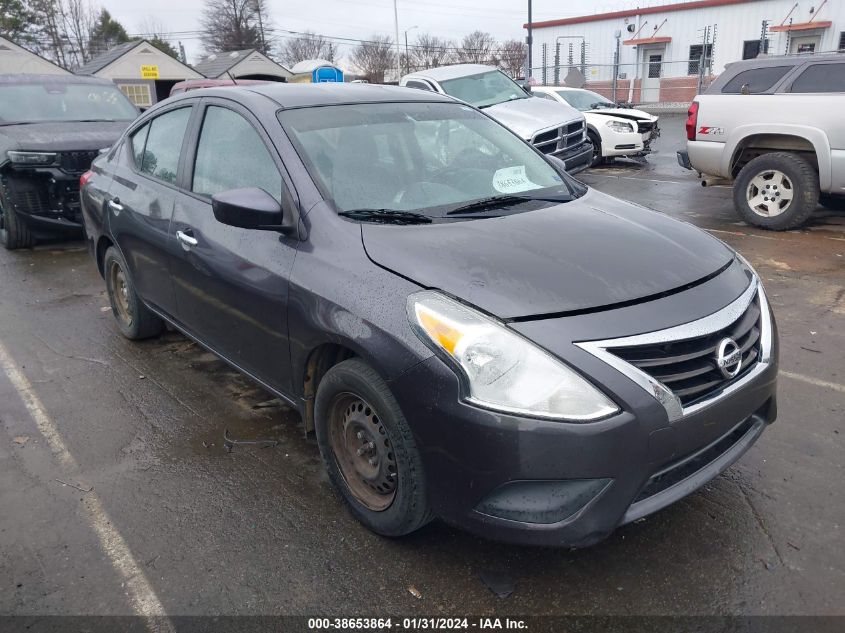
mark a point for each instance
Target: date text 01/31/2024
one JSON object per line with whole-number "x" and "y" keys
{"x": 414, "y": 624}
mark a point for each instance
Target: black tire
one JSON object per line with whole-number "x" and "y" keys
{"x": 597, "y": 158}
{"x": 804, "y": 185}
{"x": 14, "y": 234}
{"x": 135, "y": 320}
{"x": 832, "y": 202}
{"x": 407, "y": 509}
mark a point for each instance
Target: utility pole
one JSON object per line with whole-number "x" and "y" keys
{"x": 529, "y": 41}
{"x": 396, "y": 26}
{"x": 184, "y": 57}
{"x": 407, "y": 58}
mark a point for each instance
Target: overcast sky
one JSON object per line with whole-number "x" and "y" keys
{"x": 363, "y": 18}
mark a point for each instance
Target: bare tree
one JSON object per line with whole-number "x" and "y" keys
{"x": 430, "y": 51}
{"x": 374, "y": 57}
{"x": 229, "y": 25}
{"x": 65, "y": 29}
{"x": 512, "y": 55}
{"x": 309, "y": 45}
{"x": 476, "y": 48}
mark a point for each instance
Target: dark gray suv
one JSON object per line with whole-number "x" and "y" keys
{"x": 469, "y": 332}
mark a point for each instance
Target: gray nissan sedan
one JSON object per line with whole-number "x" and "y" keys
{"x": 469, "y": 332}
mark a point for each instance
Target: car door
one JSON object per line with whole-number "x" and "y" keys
{"x": 141, "y": 199}
{"x": 232, "y": 283}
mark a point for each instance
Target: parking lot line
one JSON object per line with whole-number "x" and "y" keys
{"x": 813, "y": 381}
{"x": 141, "y": 595}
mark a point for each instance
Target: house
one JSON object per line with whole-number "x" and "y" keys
{"x": 15, "y": 59}
{"x": 667, "y": 52}
{"x": 144, "y": 73}
{"x": 246, "y": 64}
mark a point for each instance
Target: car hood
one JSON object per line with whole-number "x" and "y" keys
{"x": 61, "y": 136}
{"x": 624, "y": 113}
{"x": 526, "y": 117}
{"x": 588, "y": 254}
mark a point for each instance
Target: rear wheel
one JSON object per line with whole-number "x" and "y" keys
{"x": 369, "y": 451}
{"x": 776, "y": 191}
{"x": 14, "y": 234}
{"x": 135, "y": 320}
{"x": 832, "y": 202}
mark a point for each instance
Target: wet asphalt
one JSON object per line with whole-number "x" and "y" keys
{"x": 260, "y": 531}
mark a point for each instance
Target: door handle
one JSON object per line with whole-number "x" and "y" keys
{"x": 186, "y": 239}
{"x": 115, "y": 206}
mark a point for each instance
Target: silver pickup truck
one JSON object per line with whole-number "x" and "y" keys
{"x": 775, "y": 126}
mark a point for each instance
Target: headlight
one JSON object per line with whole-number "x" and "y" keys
{"x": 32, "y": 158}
{"x": 620, "y": 126}
{"x": 501, "y": 370}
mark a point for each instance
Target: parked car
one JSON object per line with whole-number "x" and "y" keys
{"x": 196, "y": 84}
{"x": 470, "y": 332}
{"x": 555, "y": 129}
{"x": 773, "y": 126}
{"x": 51, "y": 128}
{"x": 613, "y": 130}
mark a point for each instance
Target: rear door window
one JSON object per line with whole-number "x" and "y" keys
{"x": 757, "y": 79}
{"x": 164, "y": 144}
{"x": 821, "y": 78}
{"x": 232, "y": 155}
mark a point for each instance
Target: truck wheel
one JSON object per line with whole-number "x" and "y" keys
{"x": 135, "y": 320}
{"x": 369, "y": 450}
{"x": 776, "y": 191}
{"x": 832, "y": 202}
{"x": 596, "y": 141}
{"x": 14, "y": 234}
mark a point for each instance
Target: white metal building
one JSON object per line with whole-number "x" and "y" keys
{"x": 661, "y": 46}
{"x": 15, "y": 60}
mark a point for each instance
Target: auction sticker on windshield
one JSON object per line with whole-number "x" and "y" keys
{"x": 513, "y": 180}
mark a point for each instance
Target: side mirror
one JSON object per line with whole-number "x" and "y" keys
{"x": 745, "y": 90}
{"x": 251, "y": 208}
{"x": 557, "y": 163}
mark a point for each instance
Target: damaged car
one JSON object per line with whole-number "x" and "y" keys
{"x": 616, "y": 131}
{"x": 51, "y": 128}
{"x": 469, "y": 332}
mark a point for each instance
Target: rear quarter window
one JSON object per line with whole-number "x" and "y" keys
{"x": 821, "y": 78}
{"x": 757, "y": 79}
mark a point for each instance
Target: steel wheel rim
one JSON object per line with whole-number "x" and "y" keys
{"x": 120, "y": 293}
{"x": 770, "y": 193}
{"x": 362, "y": 451}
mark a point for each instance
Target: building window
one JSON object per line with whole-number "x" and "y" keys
{"x": 695, "y": 53}
{"x": 655, "y": 62}
{"x": 139, "y": 94}
{"x": 842, "y": 42}
{"x": 751, "y": 48}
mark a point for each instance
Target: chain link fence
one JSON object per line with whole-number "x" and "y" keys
{"x": 653, "y": 81}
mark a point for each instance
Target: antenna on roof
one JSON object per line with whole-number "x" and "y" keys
{"x": 232, "y": 77}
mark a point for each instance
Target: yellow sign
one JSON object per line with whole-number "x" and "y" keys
{"x": 149, "y": 71}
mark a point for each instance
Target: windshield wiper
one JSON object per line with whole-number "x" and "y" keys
{"x": 502, "y": 201}
{"x": 386, "y": 216}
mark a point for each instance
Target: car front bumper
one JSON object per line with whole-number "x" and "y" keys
{"x": 541, "y": 482}
{"x": 46, "y": 200}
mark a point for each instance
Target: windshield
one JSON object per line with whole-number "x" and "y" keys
{"x": 34, "y": 103}
{"x": 432, "y": 158}
{"x": 584, "y": 99}
{"x": 485, "y": 89}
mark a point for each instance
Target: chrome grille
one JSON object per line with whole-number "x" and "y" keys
{"x": 688, "y": 367}
{"x": 558, "y": 139}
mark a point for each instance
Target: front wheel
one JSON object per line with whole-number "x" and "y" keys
{"x": 597, "y": 158}
{"x": 369, "y": 451}
{"x": 776, "y": 191}
{"x": 14, "y": 234}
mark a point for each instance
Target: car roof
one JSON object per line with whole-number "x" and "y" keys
{"x": 320, "y": 94}
{"x": 781, "y": 60}
{"x": 25, "y": 78}
{"x": 444, "y": 73}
